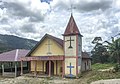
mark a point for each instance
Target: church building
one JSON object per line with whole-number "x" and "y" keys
{"x": 54, "y": 56}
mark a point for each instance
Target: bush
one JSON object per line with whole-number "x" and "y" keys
{"x": 117, "y": 67}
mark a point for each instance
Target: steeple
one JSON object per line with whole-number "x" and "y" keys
{"x": 72, "y": 48}
{"x": 71, "y": 28}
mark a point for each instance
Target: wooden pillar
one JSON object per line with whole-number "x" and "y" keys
{"x": 49, "y": 68}
{"x": 63, "y": 68}
{"x": 11, "y": 66}
{"x": 43, "y": 66}
{"x": 21, "y": 68}
{"x": 2, "y": 69}
{"x": 28, "y": 66}
{"x": 35, "y": 73}
{"x": 15, "y": 69}
{"x": 56, "y": 67}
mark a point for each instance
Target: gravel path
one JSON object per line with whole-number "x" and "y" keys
{"x": 109, "y": 81}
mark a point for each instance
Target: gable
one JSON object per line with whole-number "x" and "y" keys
{"x": 48, "y": 46}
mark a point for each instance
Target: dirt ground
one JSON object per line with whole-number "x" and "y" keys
{"x": 109, "y": 81}
{"x": 53, "y": 80}
{"x": 31, "y": 80}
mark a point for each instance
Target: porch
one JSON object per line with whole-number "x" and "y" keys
{"x": 12, "y": 69}
{"x": 44, "y": 66}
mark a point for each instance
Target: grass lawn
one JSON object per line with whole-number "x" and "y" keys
{"x": 99, "y": 66}
{"x": 96, "y": 74}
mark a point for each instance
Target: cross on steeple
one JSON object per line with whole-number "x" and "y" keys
{"x": 48, "y": 45}
{"x": 71, "y": 7}
{"x": 70, "y": 42}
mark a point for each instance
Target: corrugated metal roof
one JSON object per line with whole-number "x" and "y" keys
{"x": 13, "y": 55}
{"x": 85, "y": 55}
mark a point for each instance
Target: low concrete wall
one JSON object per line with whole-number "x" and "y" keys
{"x": 12, "y": 74}
{"x": 9, "y": 74}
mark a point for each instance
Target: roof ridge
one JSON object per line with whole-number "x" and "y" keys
{"x": 16, "y": 55}
{"x": 54, "y": 36}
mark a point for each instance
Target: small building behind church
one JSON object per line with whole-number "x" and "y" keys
{"x": 54, "y": 56}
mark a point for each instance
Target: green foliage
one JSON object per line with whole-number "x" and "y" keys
{"x": 104, "y": 54}
{"x": 99, "y": 52}
{"x": 4, "y": 48}
{"x": 96, "y": 40}
{"x": 98, "y": 66}
{"x": 117, "y": 67}
{"x": 10, "y": 42}
{"x": 114, "y": 50}
{"x": 96, "y": 74}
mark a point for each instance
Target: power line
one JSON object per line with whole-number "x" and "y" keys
{"x": 111, "y": 37}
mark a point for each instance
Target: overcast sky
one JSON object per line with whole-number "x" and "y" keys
{"x": 32, "y": 19}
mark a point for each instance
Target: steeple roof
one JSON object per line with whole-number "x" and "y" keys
{"x": 71, "y": 28}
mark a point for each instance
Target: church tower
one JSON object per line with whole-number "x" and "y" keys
{"x": 72, "y": 49}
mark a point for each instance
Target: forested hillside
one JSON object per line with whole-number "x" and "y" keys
{"x": 10, "y": 42}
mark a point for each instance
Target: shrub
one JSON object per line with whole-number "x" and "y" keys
{"x": 117, "y": 67}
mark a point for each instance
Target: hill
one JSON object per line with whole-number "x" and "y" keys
{"x": 10, "y": 42}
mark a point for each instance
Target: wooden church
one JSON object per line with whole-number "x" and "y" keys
{"x": 54, "y": 56}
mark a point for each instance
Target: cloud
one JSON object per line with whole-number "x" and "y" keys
{"x": 61, "y": 5}
{"x": 30, "y": 18}
{"x": 4, "y": 20}
{"x": 86, "y": 5}
{"x": 28, "y": 28}
{"x": 21, "y": 11}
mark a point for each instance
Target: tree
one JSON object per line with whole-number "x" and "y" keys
{"x": 96, "y": 40}
{"x": 99, "y": 54}
{"x": 114, "y": 49}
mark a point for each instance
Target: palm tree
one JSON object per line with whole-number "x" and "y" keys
{"x": 114, "y": 49}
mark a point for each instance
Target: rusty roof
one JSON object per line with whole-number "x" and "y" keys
{"x": 58, "y": 40}
{"x": 85, "y": 55}
{"x": 13, "y": 55}
{"x": 71, "y": 28}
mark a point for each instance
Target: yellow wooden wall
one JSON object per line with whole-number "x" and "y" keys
{"x": 39, "y": 66}
{"x": 42, "y": 49}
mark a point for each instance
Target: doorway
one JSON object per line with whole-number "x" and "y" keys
{"x": 52, "y": 68}
{"x": 85, "y": 66}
